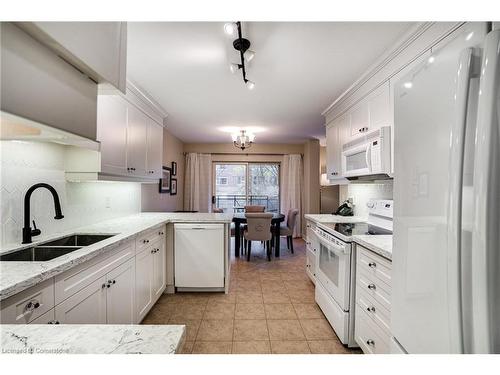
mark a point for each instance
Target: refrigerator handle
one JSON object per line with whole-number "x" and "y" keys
{"x": 485, "y": 231}
{"x": 454, "y": 204}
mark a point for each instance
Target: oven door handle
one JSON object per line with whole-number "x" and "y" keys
{"x": 338, "y": 250}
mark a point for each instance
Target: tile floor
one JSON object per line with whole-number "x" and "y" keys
{"x": 270, "y": 309}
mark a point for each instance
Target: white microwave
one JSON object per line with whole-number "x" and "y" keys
{"x": 368, "y": 155}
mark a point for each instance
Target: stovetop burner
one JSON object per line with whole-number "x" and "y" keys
{"x": 351, "y": 229}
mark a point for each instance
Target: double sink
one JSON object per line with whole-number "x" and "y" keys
{"x": 54, "y": 249}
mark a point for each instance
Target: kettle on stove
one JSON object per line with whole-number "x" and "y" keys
{"x": 345, "y": 209}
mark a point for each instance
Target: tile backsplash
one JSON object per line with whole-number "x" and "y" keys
{"x": 26, "y": 163}
{"x": 361, "y": 193}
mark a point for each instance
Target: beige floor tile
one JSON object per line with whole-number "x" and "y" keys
{"x": 275, "y": 297}
{"x": 189, "y": 311}
{"x": 330, "y": 347}
{"x": 280, "y": 311}
{"x": 270, "y": 276}
{"x": 273, "y": 286}
{"x": 285, "y": 330}
{"x": 250, "y": 311}
{"x": 219, "y": 311}
{"x": 317, "y": 329}
{"x": 308, "y": 311}
{"x": 292, "y": 285}
{"x": 249, "y": 297}
{"x": 222, "y": 298}
{"x": 287, "y": 276}
{"x": 155, "y": 316}
{"x": 290, "y": 347}
{"x": 215, "y": 347}
{"x": 249, "y": 330}
{"x": 301, "y": 296}
{"x": 187, "y": 347}
{"x": 251, "y": 347}
{"x": 248, "y": 285}
{"x": 192, "y": 326}
{"x": 215, "y": 330}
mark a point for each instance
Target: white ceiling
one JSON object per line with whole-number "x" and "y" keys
{"x": 299, "y": 69}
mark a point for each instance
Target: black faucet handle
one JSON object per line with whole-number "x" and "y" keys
{"x": 35, "y": 231}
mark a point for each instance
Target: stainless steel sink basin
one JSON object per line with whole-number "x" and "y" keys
{"x": 78, "y": 240}
{"x": 38, "y": 253}
{"x": 53, "y": 249}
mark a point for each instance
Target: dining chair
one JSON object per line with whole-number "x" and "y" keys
{"x": 287, "y": 230}
{"x": 258, "y": 229}
{"x": 255, "y": 208}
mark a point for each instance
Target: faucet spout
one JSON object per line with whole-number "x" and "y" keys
{"x": 27, "y": 231}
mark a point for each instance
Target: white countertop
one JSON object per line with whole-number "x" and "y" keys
{"x": 91, "y": 339}
{"x": 380, "y": 244}
{"x": 18, "y": 276}
{"x": 329, "y": 218}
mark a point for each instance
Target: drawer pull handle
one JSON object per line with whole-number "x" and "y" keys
{"x": 372, "y": 286}
{"x": 370, "y": 309}
{"x": 370, "y": 342}
{"x": 103, "y": 286}
{"x": 160, "y": 233}
{"x": 53, "y": 322}
{"x": 372, "y": 265}
{"x": 32, "y": 305}
{"x": 145, "y": 241}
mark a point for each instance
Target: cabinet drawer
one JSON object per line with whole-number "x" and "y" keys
{"x": 146, "y": 238}
{"x": 48, "y": 317}
{"x": 73, "y": 280}
{"x": 375, "y": 289}
{"x": 374, "y": 309}
{"x": 311, "y": 265}
{"x": 374, "y": 266}
{"x": 371, "y": 338}
{"x": 28, "y": 305}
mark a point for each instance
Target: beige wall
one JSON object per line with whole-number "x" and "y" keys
{"x": 152, "y": 200}
{"x": 311, "y": 179}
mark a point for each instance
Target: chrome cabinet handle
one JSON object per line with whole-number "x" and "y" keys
{"x": 370, "y": 309}
{"x": 32, "y": 305}
{"x": 103, "y": 286}
{"x": 370, "y": 342}
{"x": 372, "y": 286}
{"x": 372, "y": 265}
{"x": 160, "y": 233}
{"x": 145, "y": 241}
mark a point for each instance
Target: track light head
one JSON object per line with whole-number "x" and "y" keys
{"x": 249, "y": 55}
{"x": 250, "y": 84}
{"x": 230, "y": 28}
{"x": 234, "y": 67}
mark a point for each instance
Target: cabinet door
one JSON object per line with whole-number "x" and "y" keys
{"x": 154, "y": 149}
{"x": 335, "y": 136}
{"x": 360, "y": 118}
{"x": 137, "y": 133}
{"x": 380, "y": 107}
{"x": 88, "y": 306}
{"x": 143, "y": 282}
{"x": 159, "y": 267}
{"x": 120, "y": 296}
{"x": 48, "y": 317}
{"x": 112, "y": 133}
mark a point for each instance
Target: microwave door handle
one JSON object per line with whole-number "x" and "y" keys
{"x": 332, "y": 248}
{"x": 368, "y": 157}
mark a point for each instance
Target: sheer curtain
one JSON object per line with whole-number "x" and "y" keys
{"x": 198, "y": 183}
{"x": 291, "y": 187}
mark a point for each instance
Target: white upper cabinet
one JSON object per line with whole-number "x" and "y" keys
{"x": 137, "y": 141}
{"x": 97, "y": 48}
{"x": 112, "y": 133}
{"x": 335, "y": 136}
{"x": 379, "y": 108}
{"x": 360, "y": 118}
{"x": 154, "y": 150}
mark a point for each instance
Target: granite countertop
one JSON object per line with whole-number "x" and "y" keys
{"x": 18, "y": 276}
{"x": 329, "y": 218}
{"x": 91, "y": 339}
{"x": 380, "y": 244}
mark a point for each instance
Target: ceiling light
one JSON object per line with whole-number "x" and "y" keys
{"x": 234, "y": 68}
{"x": 241, "y": 45}
{"x": 230, "y": 28}
{"x": 408, "y": 85}
{"x": 431, "y": 59}
{"x": 250, "y": 84}
{"x": 249, "y": 55}
{"x": 243, "y": 140}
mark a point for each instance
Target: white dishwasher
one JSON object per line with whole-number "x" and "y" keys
{"x": 199, "y": 256}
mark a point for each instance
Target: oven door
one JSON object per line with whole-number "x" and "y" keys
{"x": 334, "y": 270}
{"x": 356, "y": 160}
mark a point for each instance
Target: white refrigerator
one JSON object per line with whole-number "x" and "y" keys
{"x": 446, "y": 257}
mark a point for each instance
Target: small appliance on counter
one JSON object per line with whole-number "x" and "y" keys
{"x": 345, "y": 209}
{"x": 335, "y": 286}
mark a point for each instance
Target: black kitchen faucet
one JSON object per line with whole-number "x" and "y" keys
{"x": 27, "y": 231}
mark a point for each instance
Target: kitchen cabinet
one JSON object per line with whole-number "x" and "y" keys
{"x": 87, "y": 306}
{"x": 40, "y": 86}
{"x": 97, "y": 48}
{"x": 120, "y": 295}
{"x": 112, "y": 133}
{"x": 137, "y": 130}
{"x": 159, "y": 267}
{"x": 154, "y": 150}
{"x": 312, "y": 246}
{"x": 373, "y": 302}
{"x": 335, "y": 136}
{"x": 359, "y": 117}
{"x": 48, "y": 318}
{"x": 144, "y": 282}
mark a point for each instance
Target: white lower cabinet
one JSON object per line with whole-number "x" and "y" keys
{"x": 373, "y": 302}
{"x": 48, "y": 318}
{"x": 159, "y": 268}
{"x": 144, "y": 282}
{"x": 120, "y": 295}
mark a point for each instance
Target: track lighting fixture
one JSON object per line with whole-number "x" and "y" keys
{"x": 242, "y": 45}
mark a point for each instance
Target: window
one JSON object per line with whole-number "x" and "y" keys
{"x": 233, "y": 193}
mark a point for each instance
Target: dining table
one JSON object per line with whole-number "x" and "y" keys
{"x": 239, "y": 218}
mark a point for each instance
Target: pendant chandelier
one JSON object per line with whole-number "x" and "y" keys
{"x": 242, "y": 45}
{"x": 243, "y": 140}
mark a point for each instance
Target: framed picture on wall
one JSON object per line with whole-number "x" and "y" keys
{"x": 165, "y": 180}
{"x": 174, "y": 168}
{"x": 173, "y": 186}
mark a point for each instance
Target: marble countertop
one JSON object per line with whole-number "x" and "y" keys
{"x": 18, "y": 276}
{"x": 329, "y": 218}
{"x": 380, "y": 244}
{"x": 91, "y": 339}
